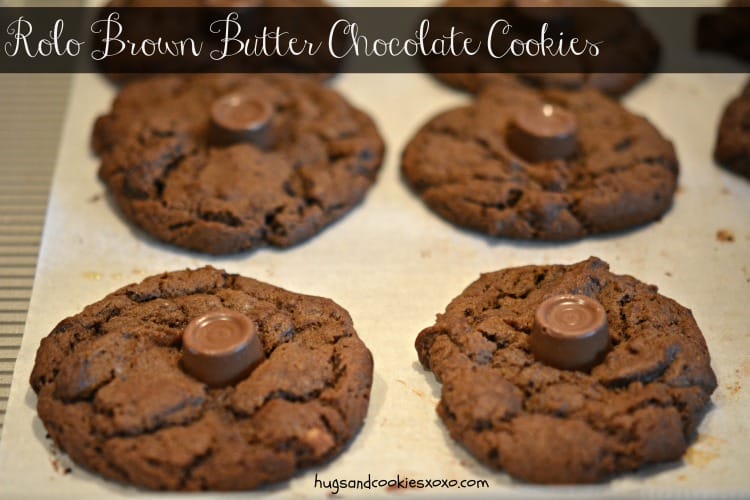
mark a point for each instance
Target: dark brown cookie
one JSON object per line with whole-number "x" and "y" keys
{"x": 725, "y": 30}
{"x": 733, "y": 142}
{"x": 113, "y": 395}
{"x": 640, "y": 405}
{"x": 612, "y": 84}
{"x": 466, "y": 165}
{"x": 631, "y": 47}
{"x": 174, "y": 168}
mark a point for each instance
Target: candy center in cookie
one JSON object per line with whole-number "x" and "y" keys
{"x": 572, "y": 316}
{"x": 241, "y": 117}
{"x": 220, "y": 347}
{"x": 542, "y": 133}
{"x": 570, "y": 332}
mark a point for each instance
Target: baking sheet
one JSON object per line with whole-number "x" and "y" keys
{"x": 393, "y": 265}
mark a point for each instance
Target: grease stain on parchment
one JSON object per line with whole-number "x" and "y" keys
{"x": 705, "y": 450}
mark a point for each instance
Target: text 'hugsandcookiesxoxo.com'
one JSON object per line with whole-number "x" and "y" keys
{"x": 338, "y": 485}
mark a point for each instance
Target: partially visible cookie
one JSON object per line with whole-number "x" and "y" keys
{"x": 732, "y": 149}
{"x": 225, "y": 163}
{"x": 487, "y": 167}
{"x": 114, "y": 393}
{"x": 632, "y": 48}
{"x": 612, "y": 84}
{"x": 639, "y": 405}
{"x": 726, "y": 30}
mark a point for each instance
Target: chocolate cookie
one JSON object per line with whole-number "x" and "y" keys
{"x": 224, "y": 163}
{"x": 632, "y": 50}
{"x": 725, "y": 30}
{"x": 733, "y": 142}
{"x": 547, "y": 165}
{"x": 640, "y": 404}
{"x": 118, "y": 393}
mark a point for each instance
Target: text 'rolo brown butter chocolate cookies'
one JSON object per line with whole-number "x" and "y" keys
{"x": 203, "y": 380}
{"x": 225, "y": 163}
{"x": 544, "y": 165}
{"x": 568, "y": 373}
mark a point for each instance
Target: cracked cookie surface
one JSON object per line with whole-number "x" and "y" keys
{"x": 640, "y": 405}
{"x": 112, "y": 395}
{"x": 732, "y": 149}
{"x": 167, "y": 177}
{"x": 623, "y": 173}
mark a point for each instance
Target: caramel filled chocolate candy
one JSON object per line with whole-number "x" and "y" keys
{"x": 543, "y": 133}
{"x": 220, "y": 347}
{"x": 242, "y": 117}
{"x": 570, "y": 332}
